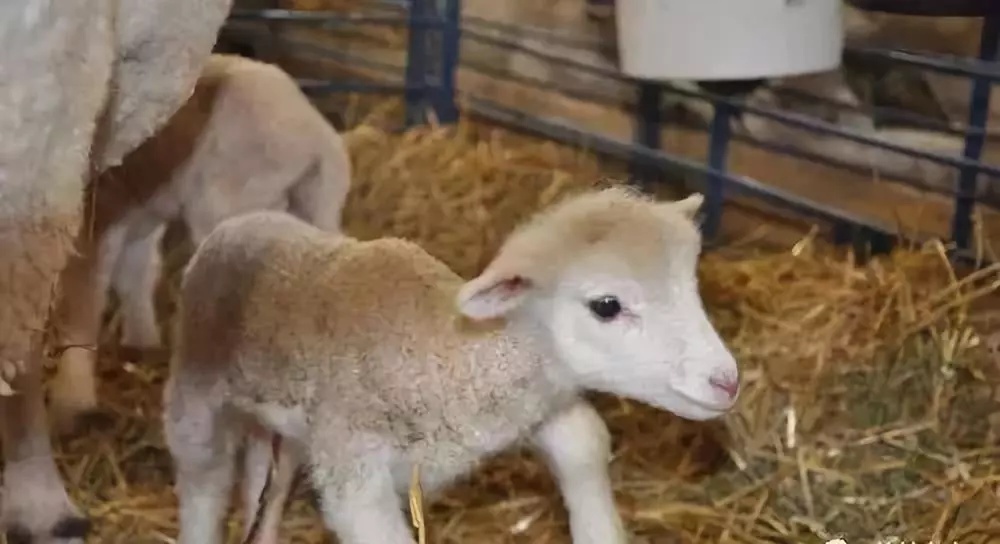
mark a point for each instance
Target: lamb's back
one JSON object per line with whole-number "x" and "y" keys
{"x": 283, "y": 306}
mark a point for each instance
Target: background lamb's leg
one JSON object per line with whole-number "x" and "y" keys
{"x": 35, "y": 503}
{"x": 257, "y": 464}
{"x": 135, "y": 279}
{"x": 83, "y": 297}
{"x": 577, "y": 448}
{"x": 360, "y": 503}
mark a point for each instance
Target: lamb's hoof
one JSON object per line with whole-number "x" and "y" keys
{"x": 96, "y": 420}
{"x": 79, "y": 423}
{"x": 67, "y": 419}
{"x": 600, "y": 9}
{"x": 142, "y": 353}
{"x": 73, "y": 529}
{"x": 69, "y": 403}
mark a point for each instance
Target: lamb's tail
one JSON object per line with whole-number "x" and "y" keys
{"x": 318, "y": 197}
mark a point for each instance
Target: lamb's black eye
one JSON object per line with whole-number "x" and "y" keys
{"x": 605, "y": 308}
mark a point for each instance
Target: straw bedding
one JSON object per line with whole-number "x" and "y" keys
{"x": 869, "y": 408}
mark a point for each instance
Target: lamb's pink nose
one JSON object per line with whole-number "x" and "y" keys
{"x": 727, "y": 383}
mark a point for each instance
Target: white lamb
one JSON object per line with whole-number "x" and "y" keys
{"x": 248, "y": 139}
{"x": 369, "y": 357}
{"x": 81, "y": 85}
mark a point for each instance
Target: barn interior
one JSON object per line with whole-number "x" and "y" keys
{"x": 870, "y": 406}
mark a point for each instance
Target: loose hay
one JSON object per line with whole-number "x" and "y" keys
{"x": 868, "y": 409}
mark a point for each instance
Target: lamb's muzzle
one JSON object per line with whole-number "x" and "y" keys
{"x": 728, "y": 384}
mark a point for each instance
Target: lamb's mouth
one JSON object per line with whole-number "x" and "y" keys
{"x": 708, "y": 407}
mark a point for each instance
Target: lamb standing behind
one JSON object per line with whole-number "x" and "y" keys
{"x": 247, "y": 139}
{"x": 356, "y": 354}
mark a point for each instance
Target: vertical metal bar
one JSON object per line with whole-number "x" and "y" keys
{"x": 646, "y": 128}
{"x": 451, "y": 37}
{"x": 842, "y": 233}
{"x": 718, "y": 152}
{"x": 882, "y": 244}
{"x": 267, "y": 47}
{"x": 416, "y": 64}
{"x": 965, "y": 200}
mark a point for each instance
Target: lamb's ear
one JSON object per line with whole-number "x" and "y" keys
{"x": 688, "y": 206}
{"x": 492, "y": 294}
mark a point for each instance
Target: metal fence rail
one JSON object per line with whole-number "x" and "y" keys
{"x": 428, "y": 82}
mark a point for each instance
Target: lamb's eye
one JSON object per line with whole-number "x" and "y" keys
{"x": 605, "y": 308}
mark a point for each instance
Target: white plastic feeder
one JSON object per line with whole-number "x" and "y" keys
{"x": 728, "y": 39}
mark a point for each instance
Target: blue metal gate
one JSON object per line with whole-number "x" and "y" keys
{"x": 435, "y": 28}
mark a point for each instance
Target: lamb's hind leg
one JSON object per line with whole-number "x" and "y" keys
{"x": 577, "y": 447}
{"x": 35, "y": 505}
{"x": 202, "y": 443}
{"x": 257, "y": 464}
{"x": 135, "y": 278}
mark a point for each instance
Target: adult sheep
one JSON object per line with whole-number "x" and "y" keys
{"x": 81, "y": 85}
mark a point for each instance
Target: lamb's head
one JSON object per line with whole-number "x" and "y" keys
{"x": 609, "y": 278}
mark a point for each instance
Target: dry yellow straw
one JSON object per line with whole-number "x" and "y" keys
{"x": 417, "y": 506}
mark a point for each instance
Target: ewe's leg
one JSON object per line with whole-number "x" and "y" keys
{"x": 51, "y": 91}
{"x": 202, "y": 445}
{"x": 135, "y": 278}
{"x": 34, "y": 502}
{"x": 576, "y": 445}
{"x": 257, "y": 465}
{"x": 83, "y": 297}
{"x": 359, "y": 499}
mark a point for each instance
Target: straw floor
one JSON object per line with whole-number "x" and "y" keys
{"x": 869, "y": 408}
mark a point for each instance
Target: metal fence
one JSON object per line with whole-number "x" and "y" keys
{"x": 428, "y": 83}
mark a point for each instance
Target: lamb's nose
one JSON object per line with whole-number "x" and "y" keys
{"x": 727, "y": 383}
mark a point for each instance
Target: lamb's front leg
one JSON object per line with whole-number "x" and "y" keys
{"x": 577, "y": 447}
{"x": 359, "y": 499}
{"x": 202, "y": 442}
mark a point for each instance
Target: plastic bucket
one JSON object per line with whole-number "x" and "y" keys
{"x": 728, "y": 39}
